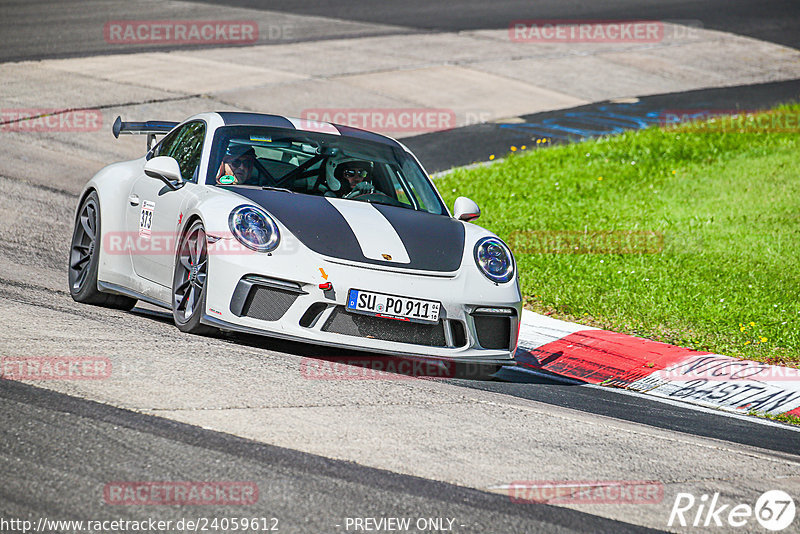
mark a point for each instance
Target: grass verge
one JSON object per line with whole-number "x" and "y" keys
{"x": 783, "y": 418}
{"x": 688, "y": 235}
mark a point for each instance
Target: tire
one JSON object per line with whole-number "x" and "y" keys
{"x": 189, "y": 280}
{"x": 84, "y": 257}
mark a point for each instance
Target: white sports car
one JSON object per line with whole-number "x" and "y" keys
{"x": 295, "y": 229}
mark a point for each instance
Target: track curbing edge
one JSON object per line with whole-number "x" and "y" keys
{"x": 611, "y": 359}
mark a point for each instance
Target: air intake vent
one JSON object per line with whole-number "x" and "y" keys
{"x": 264, "y": 298}
{"x": 459, "y": 334}
{"x": 312, "y": 314}
{"x": 267, "y": 303}
{"x": 494, "y": 332}
{"x": 351, "y": 324}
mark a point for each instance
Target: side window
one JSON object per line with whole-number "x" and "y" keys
{"x": 161, "y": 148}
{"x": 186, "y": 146}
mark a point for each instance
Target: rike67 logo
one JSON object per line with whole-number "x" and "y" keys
{"x": 774, "y": 510}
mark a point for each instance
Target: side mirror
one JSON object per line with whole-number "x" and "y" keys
{"x": 165, "y": 169}
{"x": 465, "y": 209}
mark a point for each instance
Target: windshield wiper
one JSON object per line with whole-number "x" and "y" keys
{"x": 383, "y": 202}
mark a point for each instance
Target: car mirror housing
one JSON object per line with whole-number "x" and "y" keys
{"x": 465, "y": 209}
{"x": 165, "y": 169}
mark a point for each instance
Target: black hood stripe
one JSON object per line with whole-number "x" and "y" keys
{"x": 433, "y": 242}
{"x": 439, "y": 238}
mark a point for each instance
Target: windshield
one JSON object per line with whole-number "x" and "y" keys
{"x": 320, "y": 164}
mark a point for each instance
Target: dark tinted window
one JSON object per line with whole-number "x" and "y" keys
{"x": 322, "y": 164}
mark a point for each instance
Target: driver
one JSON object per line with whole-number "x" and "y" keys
{"x": 355, "y": 177}
{"x": 237, "y": 165}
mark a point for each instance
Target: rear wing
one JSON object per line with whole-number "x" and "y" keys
{"x": 149, "y": 128}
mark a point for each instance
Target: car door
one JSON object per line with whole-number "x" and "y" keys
{"x": 155, "y": 209}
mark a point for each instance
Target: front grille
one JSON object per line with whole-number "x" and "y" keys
{"x": 268, "y": 303}
{"x": 494, "y": 332}
{"x": 352, "y": 324}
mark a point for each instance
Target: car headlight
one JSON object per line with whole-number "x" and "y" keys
{"x": 254, "y": 228}
{"x": 494, "y": 259}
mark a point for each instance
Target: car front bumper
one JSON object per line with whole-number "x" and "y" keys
{"x": 479, "y": 320}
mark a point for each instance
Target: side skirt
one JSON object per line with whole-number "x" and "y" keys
{"x": 107, "y": 287}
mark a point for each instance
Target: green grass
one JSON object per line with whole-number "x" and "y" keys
{"x": 727, "y": 205}
{"x": 783, "y": 418}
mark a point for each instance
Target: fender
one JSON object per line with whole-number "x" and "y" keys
{"x": 113, "y": 184}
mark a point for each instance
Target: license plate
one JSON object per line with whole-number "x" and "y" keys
{"x": 393, "y": 307}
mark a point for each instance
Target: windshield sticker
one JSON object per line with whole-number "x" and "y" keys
{"x": 146, "y": 218}
{"x": 262, "y": 139}
{"x": 227, "y": 179}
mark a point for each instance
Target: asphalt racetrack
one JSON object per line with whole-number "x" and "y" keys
{"x": 41, "y": 29}
{"x": 236, "y": 407}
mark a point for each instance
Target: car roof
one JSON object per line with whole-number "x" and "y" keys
{"x": 239, "y": 118}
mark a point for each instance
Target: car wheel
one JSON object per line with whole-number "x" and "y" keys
{"x": 189, "y": 282}
{"x": 84, "y": 256}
